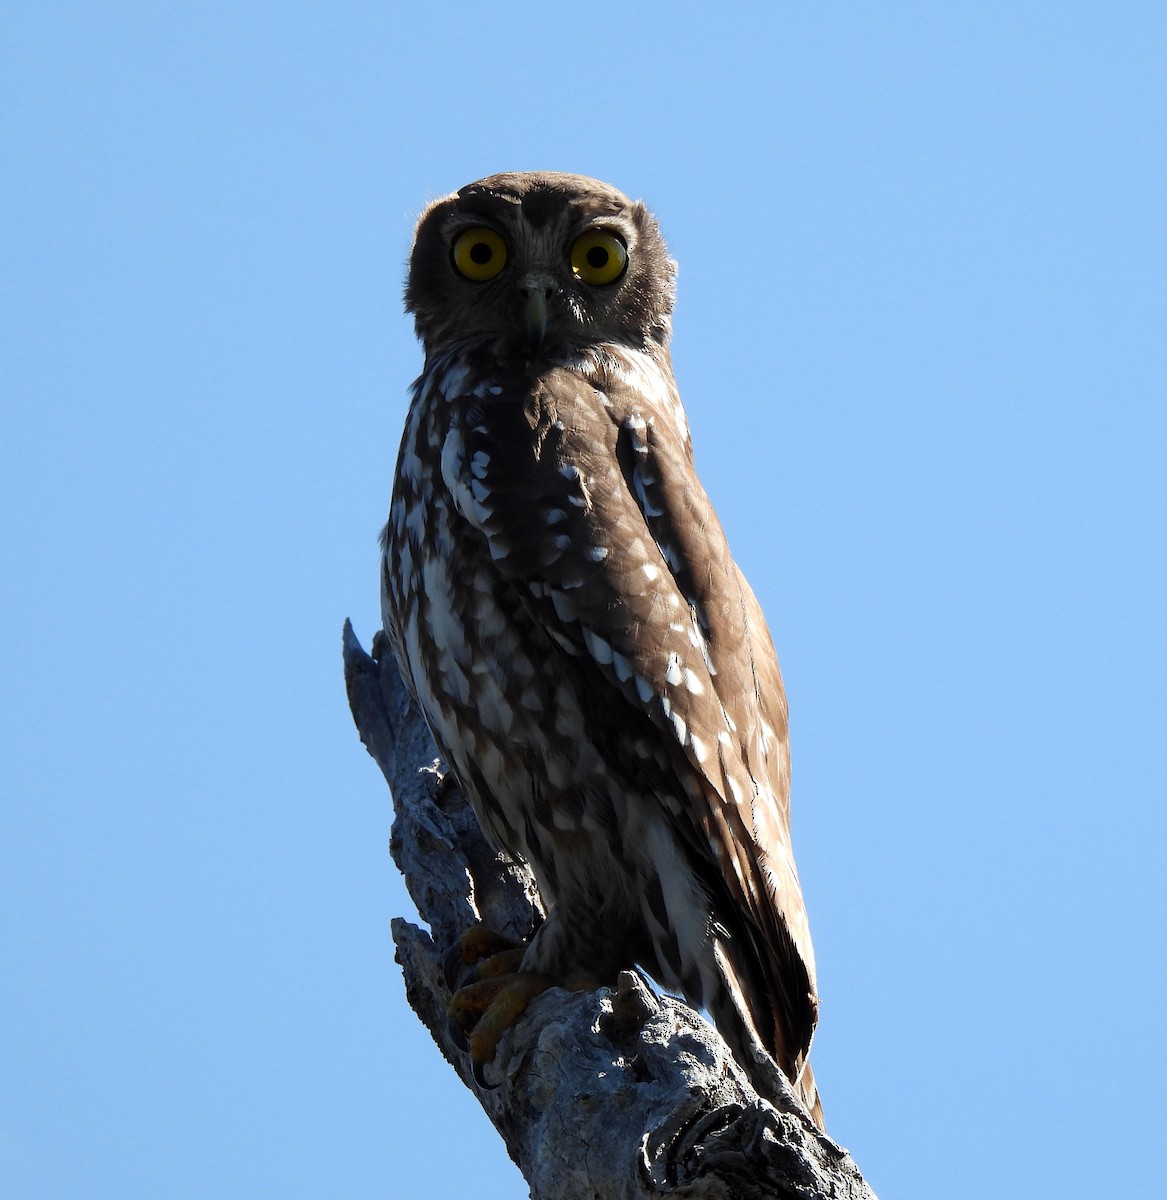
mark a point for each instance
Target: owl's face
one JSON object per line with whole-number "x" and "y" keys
{"x": 539, "y": 263}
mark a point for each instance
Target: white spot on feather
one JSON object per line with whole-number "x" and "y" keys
{"x": 454, "y": 381}
{"x": 599, "y": 649}
{"x": 565, "y": 608}
{"x": 561, "y": 640}
{"x": 739, "y": 797}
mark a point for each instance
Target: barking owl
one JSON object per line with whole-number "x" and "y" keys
{"x": 561, "y": 600}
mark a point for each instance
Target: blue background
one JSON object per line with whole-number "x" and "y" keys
{"x": 920, "y": 337}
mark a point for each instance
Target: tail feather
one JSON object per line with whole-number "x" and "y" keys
{"x": 808, "y": 1092}
{"x": 774, "y": 1071}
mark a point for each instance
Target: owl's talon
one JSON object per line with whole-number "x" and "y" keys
{"x": 478, "y": 1072}
{"x": 482, "y": 1012}
{"x": 454, "y": 968}
{"x": 457, "y": 1034}
{"x": 473, "y": 956}
{"x": 469, "y": 1004}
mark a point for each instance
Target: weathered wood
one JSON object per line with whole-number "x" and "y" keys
{"x": 624, "y": 1094}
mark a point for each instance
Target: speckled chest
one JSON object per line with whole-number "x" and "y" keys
{"x": 500, "y": 696}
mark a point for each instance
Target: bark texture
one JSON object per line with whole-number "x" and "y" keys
{"x": 624, "y": 1094}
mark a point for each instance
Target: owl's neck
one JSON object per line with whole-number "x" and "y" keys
{"x": 487, "y": 355}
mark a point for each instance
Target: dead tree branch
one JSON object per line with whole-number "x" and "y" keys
{"x": 623, "y": 1094}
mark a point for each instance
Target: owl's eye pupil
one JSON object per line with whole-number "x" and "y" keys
{"x": 598, "y": 257}
{"x": 478, "y": 254}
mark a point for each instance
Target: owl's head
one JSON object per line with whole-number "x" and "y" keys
{"x": 539, "y": 262}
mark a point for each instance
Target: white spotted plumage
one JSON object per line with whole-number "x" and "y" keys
{"x": 563, "y": 604}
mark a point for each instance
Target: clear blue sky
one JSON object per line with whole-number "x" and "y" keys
{"x": 921, "y": 340}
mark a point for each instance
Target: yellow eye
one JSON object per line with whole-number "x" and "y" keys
{"x": 479, "y": 254}
{"x": 598, "y": 257}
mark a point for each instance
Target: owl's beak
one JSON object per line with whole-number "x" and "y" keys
{"x": 536, "y": 291}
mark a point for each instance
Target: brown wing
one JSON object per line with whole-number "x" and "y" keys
{"x": 590, "y": 505}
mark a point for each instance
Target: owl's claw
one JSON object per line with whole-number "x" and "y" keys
{"x": 456, "y": 1034}
{"x": 455, "y": 970}
{"x": 485, "y": 1010}
{"x": 481, "y": 969}
{"x": 480, "y": 953}
{"x": 478, "y": 1072}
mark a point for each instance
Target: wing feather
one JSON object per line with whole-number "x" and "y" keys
{"x": 590, "y": 506}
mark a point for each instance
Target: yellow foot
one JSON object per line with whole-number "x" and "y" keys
{"x": 481, "y": 953}
{"x": 490, "y": 993}
{"x": 484, "y": 1011}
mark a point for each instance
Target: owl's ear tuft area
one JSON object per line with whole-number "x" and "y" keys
{"x": 427, "y": 257}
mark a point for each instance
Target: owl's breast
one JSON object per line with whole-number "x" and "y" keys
{"x": 497, "y": 689}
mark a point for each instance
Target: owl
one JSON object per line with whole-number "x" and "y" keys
{"x": 560, "y": 597}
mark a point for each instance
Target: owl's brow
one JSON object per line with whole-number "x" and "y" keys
{"x": 540, "y": 207}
